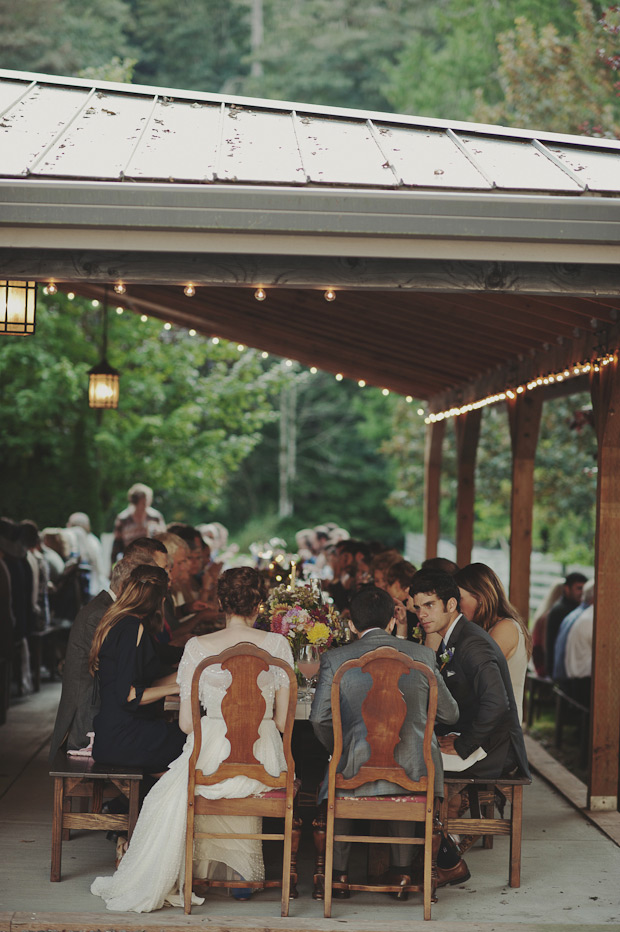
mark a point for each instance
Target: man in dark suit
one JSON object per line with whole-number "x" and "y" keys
{"x": 78, "y": 705}
{"x": 476, "y": 673}
{"x": 372, "y": 620}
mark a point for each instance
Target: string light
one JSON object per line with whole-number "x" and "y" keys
{"x": 119, "y": 288}
{"x": 215, "y": 340}
{"x": 119, "y": 311}
{"x": 361, "y": 383}
{"x": 385, "y": 391}
{"x": 264, "y": 355}
{"x": 71, "y": 295}
{"x": 330, "y": 295}
{"x": 50, "y": 288}
{"x": 94, "y": 303}
{"x": 313, "y": 370}
{"x": 192, "y": 333}
{"x": 289, "y": 363}
{"x": 260, "y": 294}
{"x": 167, "y": 326}
{"x": 339, "y": 377}
{"x": 189, "y": 290}
{"x": 580, "y": 368}
{"x": 240, "y": 347}
{"x": 143, "y": 318}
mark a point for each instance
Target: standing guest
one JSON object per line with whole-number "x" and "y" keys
{"x": 92, "y": 553}
{"x": 483, "y": 601}
{"x": 20, "y": 575}
{"x": 79, "y": 701}
{"x": 559, "y": 658}
{"x": 40, "y": 577}
{"x": 8, "y": 546}
{"x": 128, "y": 728}
{"x": 572, "y": 593}
{"x": 539, "y": 629}
{"x": 139, "y": 519}
{"x": 578, "y": 657}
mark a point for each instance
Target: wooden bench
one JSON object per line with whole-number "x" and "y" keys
{"x": 539, "y": 693}
{"x": 566, "y": 709}
{"x": 82, "y": 778}
{"x": 482, "y": 793}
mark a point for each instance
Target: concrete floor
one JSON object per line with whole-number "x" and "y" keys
{"x": 570, "y": 869}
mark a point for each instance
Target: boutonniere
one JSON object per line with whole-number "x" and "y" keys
{"x": 417, "y": 634}
{"x": 445, "y": 657}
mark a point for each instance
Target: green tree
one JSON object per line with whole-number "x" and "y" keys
{"x": 454, "y": 53}
{"x": 562, "y": 83}
{"x": 190, "y": 412}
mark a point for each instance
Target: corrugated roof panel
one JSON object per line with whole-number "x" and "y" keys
{"x": 600, "y": 171}
{"x": 32, "y": 124}
{"x": 10, "y": 91}
{"x": 180, "y": 143}
{"x": 515, "y": 165}
{"x": 341, "y": 152}
{"x": 259, "y": 147}
{"x": 100, "y": 142}
{"x": 428, "y": 159}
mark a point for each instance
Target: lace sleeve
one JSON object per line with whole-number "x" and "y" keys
{"x": 282, "y": 650}
{"x": 187, "y": 665}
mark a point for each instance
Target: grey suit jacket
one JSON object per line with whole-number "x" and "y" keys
{"x": 77, "y": 707}
{"x": 353, "y": 690}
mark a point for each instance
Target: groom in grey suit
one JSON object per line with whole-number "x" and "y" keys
{"x": 372, "y": 621}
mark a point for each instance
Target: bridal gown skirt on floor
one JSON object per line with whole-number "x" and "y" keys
{"x": 151, "y": 872}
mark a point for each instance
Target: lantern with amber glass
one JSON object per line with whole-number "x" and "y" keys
{"x": 18, "y": 302}
{"x": 103, "y": 379}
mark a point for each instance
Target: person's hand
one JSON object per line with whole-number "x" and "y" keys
{"x": 446, "y": 743}
{"x": 400, "y": 614}
{"x": 199, "y": 606}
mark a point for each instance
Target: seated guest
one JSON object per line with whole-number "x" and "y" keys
{"x": 578, "y": 656}
{"x": 128, "y": 727}
{"x": 440, "y": 563}
{"x": 352, "y": 569}
{"x": 151, "y": 872}
{"x": 487, "y": 736}
{"x": 380, "y": 564}
{"x": 398, "y": 578}
{"x": 372, "y": 620}
{"x": 539, "y": 629}
{"x": 483, "y": 601}
{"x": 572, "y": 593}
{"x": 559, "y": 658}
{"x": 79, "y": 701}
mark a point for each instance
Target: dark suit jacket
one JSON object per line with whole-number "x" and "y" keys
{"x": 77, "y": 706}
{"x": 353, "y": 690}
{"x": 478, "y": 678}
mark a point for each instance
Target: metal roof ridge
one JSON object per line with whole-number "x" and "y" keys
{"x": 413, "y": 122}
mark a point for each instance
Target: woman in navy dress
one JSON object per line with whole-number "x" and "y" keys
{"x": 129, "y": 729}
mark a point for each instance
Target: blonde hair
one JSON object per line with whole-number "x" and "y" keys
{"x": 480, "y": 581}
{"x": 142, "y": 596}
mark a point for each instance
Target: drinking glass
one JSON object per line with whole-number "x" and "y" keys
{"x": 308, "y": 664}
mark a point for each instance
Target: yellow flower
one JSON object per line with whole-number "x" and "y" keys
{"x": 319, "y": 633}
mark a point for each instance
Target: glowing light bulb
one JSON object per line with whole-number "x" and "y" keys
{"x": 192, "y": 333}
{"x": 143, "y": 318}
{"x": 289, "y": 363}
{"x": 215, "y": 340}
{"x": 330, "y": 295}
{"x": 313, "y": 370}
{"x": 167, "y": 326}
{"x": 385, "y": 392}
{"x": 240, "y": 347}
{"x": 71, "y": 295}
{"x": 119, "y": 288}
{"x": 119, "y": 311}
{"x": 339, "y": 377}
{"x": 94, "y": 303}
{"x": 51, "y": 288}
{"x": 189, "y": 290}
{"x": 265, "y": 355}
{"x": 260, "y": 294}
{"x": 361, "y": 383}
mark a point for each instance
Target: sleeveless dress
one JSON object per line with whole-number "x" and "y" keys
{"x": 517, "y": 667}
{"x": 151, "y": 872}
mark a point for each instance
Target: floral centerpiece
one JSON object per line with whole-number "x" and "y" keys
{"x": 298, "y": 613}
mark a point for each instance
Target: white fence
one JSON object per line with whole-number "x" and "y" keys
{"x": 545, "y": 572}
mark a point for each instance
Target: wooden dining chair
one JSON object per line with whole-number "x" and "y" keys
{"x": 383, "y": 710}
{"x": 243, "y": 709}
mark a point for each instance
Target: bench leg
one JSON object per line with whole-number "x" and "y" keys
{"x": 516, "y": 816}
{"x": 57, "y": 816}
{"x": 134, "y": 806}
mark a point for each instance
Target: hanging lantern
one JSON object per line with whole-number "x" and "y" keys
{"x": 103, "y": 386}
{"x": 103, "y": 379}
{"x": 18, "y": 302}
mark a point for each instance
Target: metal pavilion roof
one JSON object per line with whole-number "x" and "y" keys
{"x": 73, "y": 129}
{"x": 496, "y": 249}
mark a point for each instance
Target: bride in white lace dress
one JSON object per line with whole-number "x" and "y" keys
{"x": 151, "y": 872}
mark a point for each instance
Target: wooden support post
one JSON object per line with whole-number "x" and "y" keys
{"x": 605, "y": 702}
{"x": 467, "y": 428}
{"x": 524, "y": 413}
{"x": 432, "y": 481}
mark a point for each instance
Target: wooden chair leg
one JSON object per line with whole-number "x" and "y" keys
{"x": 296, "y": 839}
{"x": 286, "y": 863}
{"x": 57, "y": 833}
{"x": 134, "y": 807}
{"x": 318, "y": 833}
{"x": 516, "y": 817}
{"x": 329, "y": 863}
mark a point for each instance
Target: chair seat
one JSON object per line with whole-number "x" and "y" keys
{"x": 280, "y": 792}
{"x": 410, "y": 798}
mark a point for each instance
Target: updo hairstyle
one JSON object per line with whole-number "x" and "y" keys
{"x": 240, "y": 591}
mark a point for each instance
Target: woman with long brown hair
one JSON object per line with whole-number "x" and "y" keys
{"x": 129, "y": 729}
{"x": 484, "y": 602}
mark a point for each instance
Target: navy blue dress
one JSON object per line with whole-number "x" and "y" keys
{"x": 126, "y": 733}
